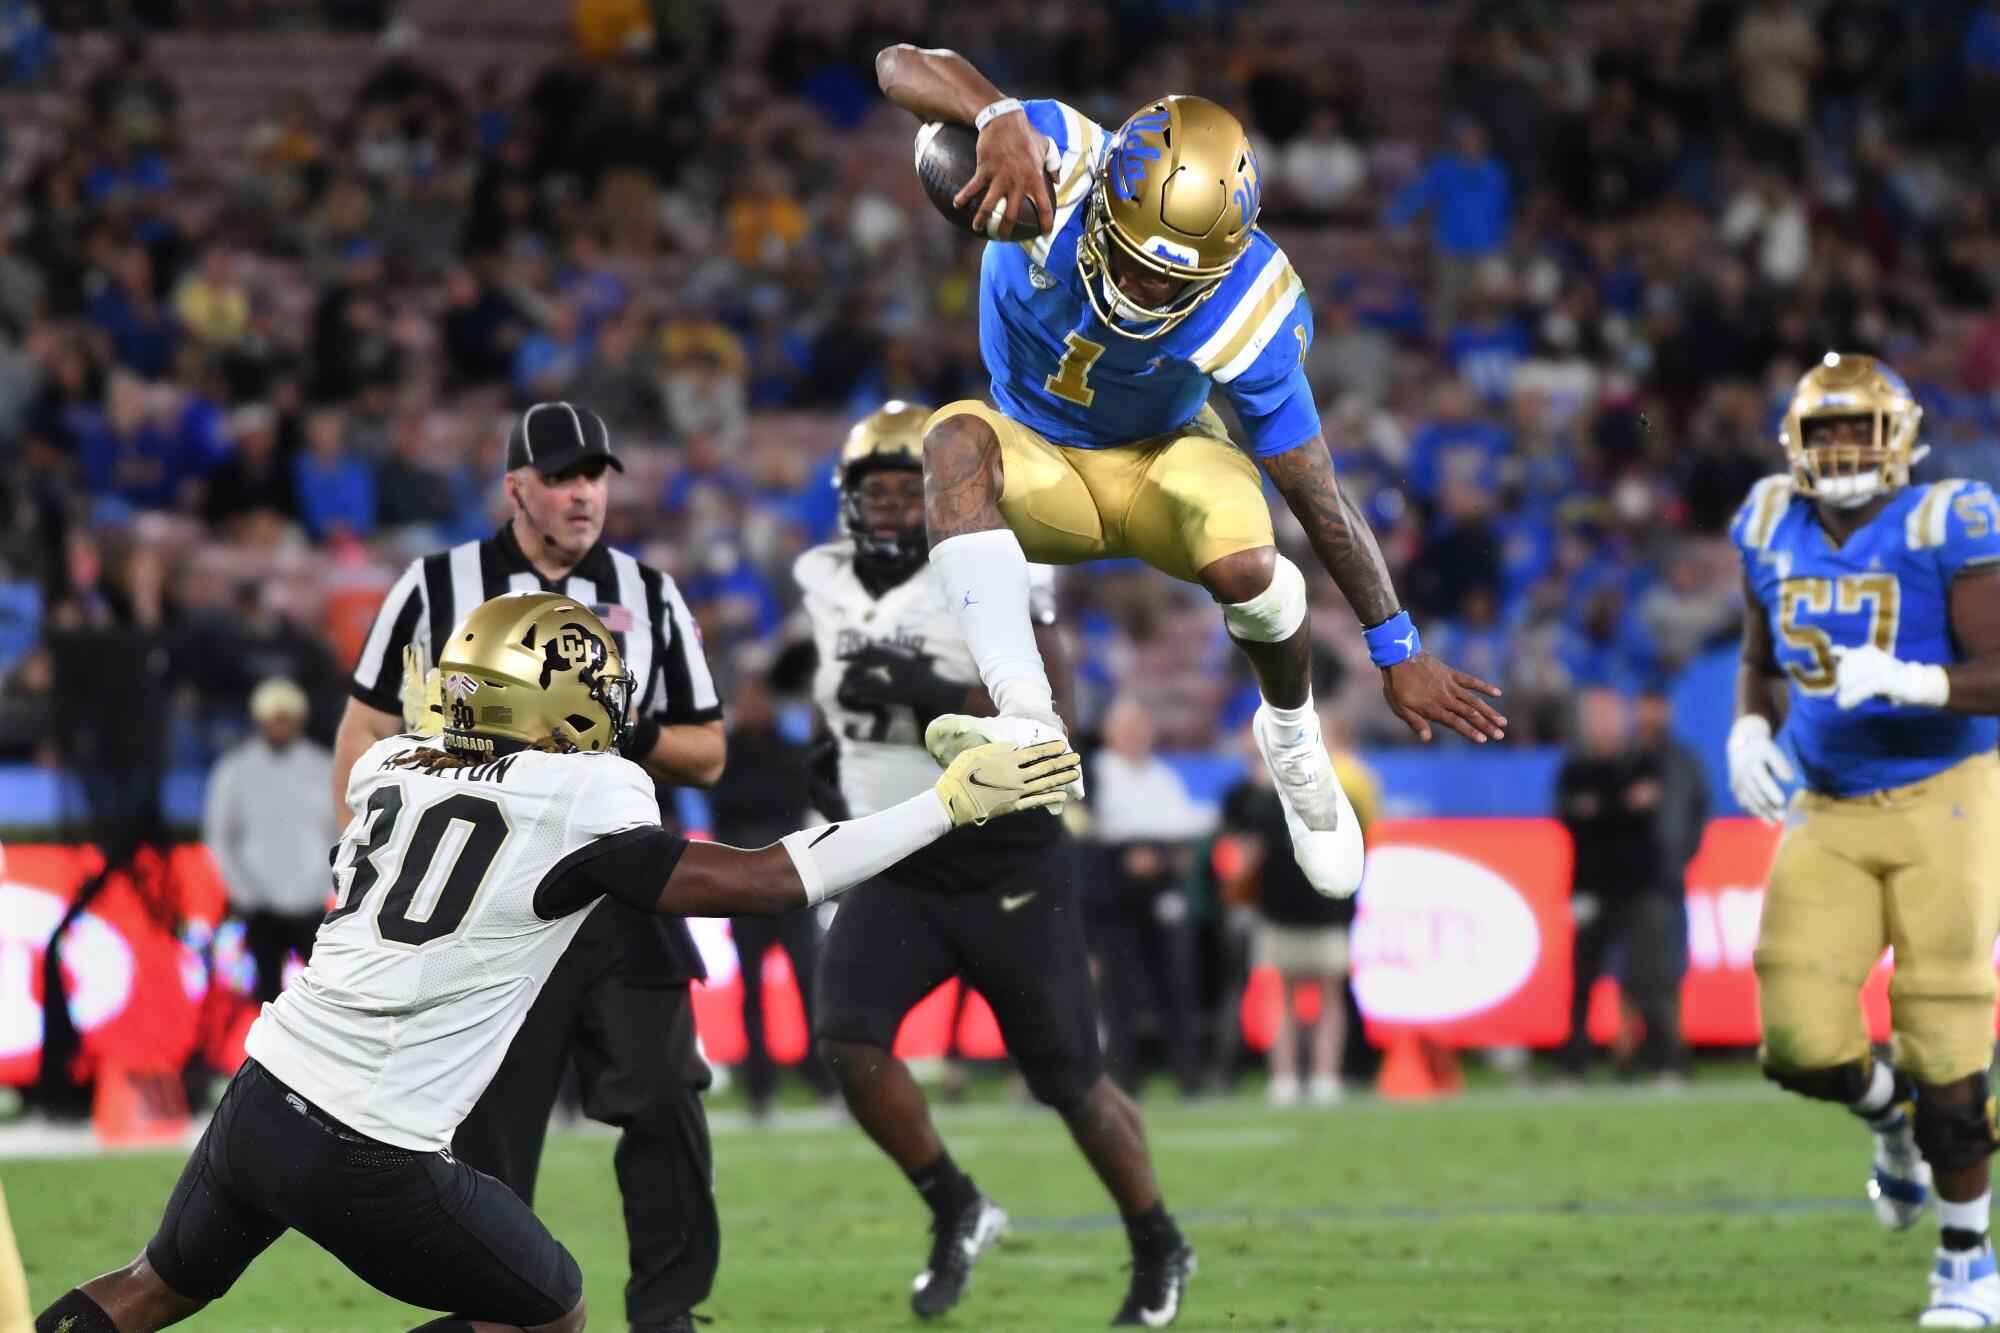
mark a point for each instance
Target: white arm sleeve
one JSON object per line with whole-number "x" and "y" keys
{"x": 835, "y": 857}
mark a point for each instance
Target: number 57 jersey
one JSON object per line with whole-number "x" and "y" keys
{"x": 1889, "y": 586}
{"x": 455, "y": 894}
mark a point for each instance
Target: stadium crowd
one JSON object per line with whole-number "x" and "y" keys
{"x": 253, "y": 354}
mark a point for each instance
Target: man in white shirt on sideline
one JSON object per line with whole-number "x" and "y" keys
{"x": 266, "y": 820}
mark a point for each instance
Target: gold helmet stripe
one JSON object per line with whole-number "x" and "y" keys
{"x": 1926, "y": 524}
{"x": 1271, "y": 292}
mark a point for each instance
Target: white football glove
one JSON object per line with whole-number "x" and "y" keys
{"x": 1867, "y": 673}
{"x": 1758, "y": 769}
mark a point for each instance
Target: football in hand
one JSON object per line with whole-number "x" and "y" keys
{"x": 947, "y": 156}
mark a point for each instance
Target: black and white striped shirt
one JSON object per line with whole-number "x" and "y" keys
{"x": 644, "y": 612}
{"x": 639, "y": 605}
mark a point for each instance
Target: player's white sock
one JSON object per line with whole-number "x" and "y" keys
{"x": 1878, "y": 1106}
{"x": 1971, "y": 1216}
{"x": 1290, "y": 719}
{"x": 985, "y": 577}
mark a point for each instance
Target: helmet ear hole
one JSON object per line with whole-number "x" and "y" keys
{"x": 580, "y": 723}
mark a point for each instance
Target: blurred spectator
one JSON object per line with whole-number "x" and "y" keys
{"x": 1767, "y": 220}
{"x": 211, "y": 306}
{"x": 1454, "y": 445}
{"x": 1348, "y": 356}
{"x": 22, "y": 287}
{"x": 26, "y": 47}
{"x": 1302, "y": 933}
{"x": 1467, "y": 192}
{"x": 617, "y": 379}
{"x": 125, "y": 309}
{"x": 1776, "y": 53}
{"x": 1609, "y": 796}
{"x": 1686, "y": 612}
{"x": 760, "y": 797}
{"x": 415, "y": 486}
{"x": 336, "y": 490}
{"x": 351, "y": 347}
{"x": 133, "y": 97}
{"x": 268, "y": 823}
{"x": 1322, "y": 173}
{"x": 482, "y": 328}
{"x": 125, "y": 453}
{"x": 551, "y": 356}
{"x": 1138, "y": 920}
{"x": 703, "y": 390}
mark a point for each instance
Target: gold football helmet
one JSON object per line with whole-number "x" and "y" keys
{"x": 890, "y": 436}
{"x": 525, "y": 667}
{"x": 1852, "y": 386}
{"x": 1177, "y": 195}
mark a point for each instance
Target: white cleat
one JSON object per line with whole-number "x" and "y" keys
{"x": 1899, "y": 1187}
{"x": 1965, "y": 1290}
{"x": 1326, "y": 836}
{"x": 951, "y": 734}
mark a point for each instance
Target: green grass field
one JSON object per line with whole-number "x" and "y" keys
{"x": 1726, "y": 1206}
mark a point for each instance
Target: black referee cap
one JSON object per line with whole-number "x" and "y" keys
{"x": 554, "y": 437}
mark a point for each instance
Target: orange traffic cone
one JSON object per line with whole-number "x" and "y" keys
{"x": 136, "y": 1107}
{"x": 1418, "y": 1067}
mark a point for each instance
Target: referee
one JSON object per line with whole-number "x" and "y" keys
{"x": 618, "y": 1000}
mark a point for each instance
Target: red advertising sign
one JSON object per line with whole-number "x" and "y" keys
{"x": 1463, "y": 932}
{"x": 138, "y": 994}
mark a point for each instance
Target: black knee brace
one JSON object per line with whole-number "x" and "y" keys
{"x": 1954, "y": 1137}
{"x": 1845, "y": 1084}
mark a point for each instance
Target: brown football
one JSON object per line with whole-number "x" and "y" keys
{"x": 947, "y": 155}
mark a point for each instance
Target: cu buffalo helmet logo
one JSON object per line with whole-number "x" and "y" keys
{"x": 573, "y": 648}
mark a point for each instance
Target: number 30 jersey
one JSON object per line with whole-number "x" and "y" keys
{"x": 1889, "y": 586}
{"x": 882, "y": 755}
{"x": 455, "y": 894}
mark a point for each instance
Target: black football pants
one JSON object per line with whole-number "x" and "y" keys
{"x": 640, "y": 1070}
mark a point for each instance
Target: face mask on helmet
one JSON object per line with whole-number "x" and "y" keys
{"x": 1101, "y": 250}
{"x": 1850, "y": 433}
{"x": 890, "y": 557}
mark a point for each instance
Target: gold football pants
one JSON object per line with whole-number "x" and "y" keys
{"x": 15, "y": 1316}
{"x": 1179, "y": 502}
{"x": 1916, "y": 868}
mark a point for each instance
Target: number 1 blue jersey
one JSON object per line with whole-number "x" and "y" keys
{"x": 1889, "y": 586}
{"x": 1061, "y": 371}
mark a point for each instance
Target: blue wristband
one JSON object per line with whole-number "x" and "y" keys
{"x": 1394, "y": 640}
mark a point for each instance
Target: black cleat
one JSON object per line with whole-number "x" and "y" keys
{"x": 1154, "y": 1298}
{"x": 955, "y": 1246}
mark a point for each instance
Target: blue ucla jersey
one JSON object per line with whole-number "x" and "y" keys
{"x": 1890, "y": 585}
{"x": 1064, "y": 373}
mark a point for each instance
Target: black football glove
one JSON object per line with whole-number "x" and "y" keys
{"x": 880, "y": 676}
{"x": 823, "y": 779}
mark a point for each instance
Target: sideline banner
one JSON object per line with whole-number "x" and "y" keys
{"x": 1463, "y": 932}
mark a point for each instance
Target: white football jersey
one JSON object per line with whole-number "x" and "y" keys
{"x": 425, "y": 968}
{"x": 882, "y": 755}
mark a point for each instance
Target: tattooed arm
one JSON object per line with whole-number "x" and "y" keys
{"x": 1422, "y": 689}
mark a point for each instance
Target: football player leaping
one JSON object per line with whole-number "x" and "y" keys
{"x": 1881, "y": 601}
{"x": 994, "y": 905}
{"x": 470, "y": 863}
{"x": 1104, "y": 337}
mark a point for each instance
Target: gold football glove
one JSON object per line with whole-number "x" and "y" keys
{"x": 999, "y": 779}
